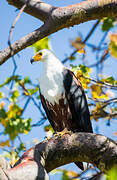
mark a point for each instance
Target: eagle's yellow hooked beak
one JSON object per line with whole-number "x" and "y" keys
{"x": 37, "y": 57}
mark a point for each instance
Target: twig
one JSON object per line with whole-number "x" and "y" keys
{"x": 39, "y": 123}
{"x": 103, "y": 58}
{"x": 14, "y": 70}
{"x": 94, "y": 47}
{"x": 26, "y": 104}
{"x": 19, "y": 138}
{"x": 13, "y": 25}
{"x": 91, "y": 31}
{"x": 9, "y": 40}
{"x": 39, "y": 108}
{"x": 113, "y": 100}
{"x": 86, "y": 39}
{"x": 114, "y": 87}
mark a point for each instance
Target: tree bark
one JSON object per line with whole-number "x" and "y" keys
{"x": 57, "y": 18}
{"x": 48, "y": 155}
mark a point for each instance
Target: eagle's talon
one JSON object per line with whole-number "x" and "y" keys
{"x": 65, "y": 131}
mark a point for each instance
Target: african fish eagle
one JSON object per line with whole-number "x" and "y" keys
{"x": 62, "y": 96}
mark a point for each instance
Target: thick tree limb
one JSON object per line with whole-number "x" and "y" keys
{"x": 48, "y": 155}
{"x": 58, "y": 18}
{"x": 35, "y": 8}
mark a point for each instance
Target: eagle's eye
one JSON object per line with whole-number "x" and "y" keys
{"x": 40, "y": 54}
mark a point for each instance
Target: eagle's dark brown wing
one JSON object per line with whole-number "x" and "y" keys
{"x": 77, "y": 102}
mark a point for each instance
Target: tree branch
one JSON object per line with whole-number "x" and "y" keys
{"x": 35, "y": 8}
{"x": 58, "y": 18}
{"x": 48, "y": 155}
{"x": 25, "y": 42}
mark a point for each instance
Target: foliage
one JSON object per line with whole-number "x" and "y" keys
{"x": 108, "y": 22}
{"x": 41, "y": 44}
{"x": 113, "y": 45}
{"x": 112, "y": 174}
{"x": 82, "y": 73}
{"x": 12, "y": 121}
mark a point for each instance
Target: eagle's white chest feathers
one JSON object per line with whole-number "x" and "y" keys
{"x": 51, "y": 81}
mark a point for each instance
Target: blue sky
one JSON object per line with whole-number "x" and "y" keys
{"x": 60, "y": 42}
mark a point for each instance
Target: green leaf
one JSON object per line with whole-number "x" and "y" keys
{"x": 33, "y": 91}
{"x": 1, "y": 95}
{"x": 81, "y": 67}
{"x": 108, "y": 23}
{"x": 3, "y": 113}
{"x": 72, "y": 58}
{"x": 9, "y": 79}
{"x": 17, "y": 125}
{"x": 41, "y": 44}
{"x": 113, "y": 49}
{"x": 74, "y": 67}
{"x": 38, "y": 97}
{"x": 48, "y": 128}
{"x": 112, "y": 174}
{"x": 15, "y": 95}
{"x": 26, "y": 80}
{"x": 110, "y": 80}
{"x": 84, "y": 69}
{"x": 65, "y": 176}
{"x": 21, "y": 147}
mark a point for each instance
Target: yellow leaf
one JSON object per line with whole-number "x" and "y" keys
{"x": 78, "y": 44}
{"x": 72, "y": 174}
{"x": 26, "y": 93}
{"x": 113, "y": 37}
{"x": 96, "y": 111}
{"x": 84, "y": 82}
{"x": 14, "y": 110}
{"x": 2, "y": 104}
{"x": 10, "y": 114}
{"x": 5, "y": 143}
{"x": 113, "y": 49}
{"x": 81, "y": 51}
{"x": 97, "y": 92}
{"x": 26, "y": 132}
{"x": 113, "y": 44}
{"x": 78, "y": 74}
{"x": 4, "y": 121}
{"x": 69, "y": 174}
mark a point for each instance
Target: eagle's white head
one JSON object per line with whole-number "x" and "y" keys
{"x": 43, "y": 56}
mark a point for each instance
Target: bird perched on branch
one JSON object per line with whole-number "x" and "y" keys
{"x": 62, "y": 96}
